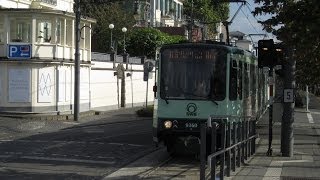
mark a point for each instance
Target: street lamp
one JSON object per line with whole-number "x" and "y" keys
{"x": 125, "y": 55}
{"x": 111, "y": 26}
{"x": 124, "y": 30}
{"x": 112, "y": 54}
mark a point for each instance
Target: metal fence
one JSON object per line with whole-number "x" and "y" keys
{"x": 105, "y": 57}
{"x": 237, "y": 143}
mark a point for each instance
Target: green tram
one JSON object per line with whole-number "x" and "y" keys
{"x": 198, "y": 80}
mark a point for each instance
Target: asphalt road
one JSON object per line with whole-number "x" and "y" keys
{"x": 66, "y": 150}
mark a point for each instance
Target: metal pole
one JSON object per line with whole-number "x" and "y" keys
{"x": 123, "y": 90}
{"x": 147, "y": 93}
{"x": 287, "y": 138}
{"x": 307, "y": 98}
{"x": 77, "y": 62}
{"x": 269, "y": 152}
{"x": 213, "y": 150}
{"x": 118, "y": 91}
{"x": 131, "y": 86}
{"x": 191, "y": 24}
{"x": 203, "y": 143}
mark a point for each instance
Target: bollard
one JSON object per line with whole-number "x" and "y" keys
{"x": 213, "y": 150}
{"x": 239, "y": 147}
{"x": 233, "y": 163}
{"x": 245, "y": 138}
{"x": 203, "y": 143}
{"x": 228, "y": 144}
{"x": 249, "y": 141}
{"x": 242, "y": 145}
{"x": 254, "y": 139}
{"x": 223, "y": 146}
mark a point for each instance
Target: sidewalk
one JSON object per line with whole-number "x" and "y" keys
{"x": 13, "y": 127}
{"x": 305, "y": 163}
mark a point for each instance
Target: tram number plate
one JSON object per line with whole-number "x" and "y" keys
{"x": 191, "y": 125}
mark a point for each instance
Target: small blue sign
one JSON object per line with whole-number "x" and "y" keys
{"x": 19, "y": 51}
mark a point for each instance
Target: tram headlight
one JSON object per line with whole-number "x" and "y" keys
{"x": 167, "y": 124}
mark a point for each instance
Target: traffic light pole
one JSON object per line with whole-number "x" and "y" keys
{"x": 287, "y": 138}
{"x": 269, "y": 152}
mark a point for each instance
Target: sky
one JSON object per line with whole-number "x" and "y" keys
{"x": 245, "y": 22}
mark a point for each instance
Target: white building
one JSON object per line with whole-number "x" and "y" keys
{"x": 159, "y": 13}
{"x": 37, "y": 43}
{"x": 37, "y": 47}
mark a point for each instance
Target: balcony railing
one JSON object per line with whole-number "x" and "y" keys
{"x": 50, "y": 2}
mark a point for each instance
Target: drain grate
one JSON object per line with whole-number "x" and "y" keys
{"x": 299, "y": 178}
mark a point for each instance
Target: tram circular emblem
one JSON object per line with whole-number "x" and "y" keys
{"x": 191, "y": 109}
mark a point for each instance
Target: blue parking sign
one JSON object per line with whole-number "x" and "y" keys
{"x": 19, "y": 51}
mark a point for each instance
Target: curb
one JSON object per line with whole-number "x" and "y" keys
{"x": 64, "y": 117}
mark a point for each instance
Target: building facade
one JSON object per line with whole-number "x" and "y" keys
{"x": 37, "y": 47}
{"x": 159, "y": 13}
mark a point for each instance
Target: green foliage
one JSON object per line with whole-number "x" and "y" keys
{"x": 207, "y": 11}
{"x": 297, "y": 24}
{"x": 139, "y": 41}
{"x": 105, "y": 14}
{"x": 145, "y": 41}
{"x": 145, "y": 112}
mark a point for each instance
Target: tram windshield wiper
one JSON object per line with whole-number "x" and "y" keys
{"x": 214, "y": 101}
{"x": 163, "y": 90}
{"x": 166, "y": 99}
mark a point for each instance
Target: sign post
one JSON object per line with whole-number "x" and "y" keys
{"x": 147, "y": 68}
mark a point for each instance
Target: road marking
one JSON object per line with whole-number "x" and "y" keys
{"x": 310, "y": 118}
{"x": 5, "y": 156}
{"x": 315, "y": 112}
{"x": 73, "y": 123}
{"x": 69, "y": 160}
{"x": 70, "y": 142}
{"x": 34, "y": 154}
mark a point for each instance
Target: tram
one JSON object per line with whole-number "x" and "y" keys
{"x": 198, "y": 80}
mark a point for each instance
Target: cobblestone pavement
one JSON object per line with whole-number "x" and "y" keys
{"x": 89, "y": 149}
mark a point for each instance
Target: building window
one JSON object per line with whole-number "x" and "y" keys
{"x": 44, "y": 31}
{"x": 60, "y": 31}
{"x": 1, "y": 33}
{"x": 69, "y": 29}
{"x": 87, "y": 37}
{"x": 20, "y": 30}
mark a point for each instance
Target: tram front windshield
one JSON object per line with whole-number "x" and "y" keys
{"x": 193, "y": 73}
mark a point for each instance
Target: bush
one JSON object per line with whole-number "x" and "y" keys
{"x": 145, "y": 112}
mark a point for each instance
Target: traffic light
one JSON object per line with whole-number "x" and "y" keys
{"x": 278, "y": 54}
{"x": 266, "y": 53}
{"x": 279, "y": 58}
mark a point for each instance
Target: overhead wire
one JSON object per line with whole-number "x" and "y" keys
{"x": 249, "y": 21}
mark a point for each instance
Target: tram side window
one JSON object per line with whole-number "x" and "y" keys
{"x": 246, "y": 81}
{"x": 240, "y": 79}
{"x": 233, "y": 85}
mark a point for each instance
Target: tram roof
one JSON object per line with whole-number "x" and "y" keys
{"x": 233, "y": 49}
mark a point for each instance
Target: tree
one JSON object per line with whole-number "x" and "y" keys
{"x": 206, "y": 11}
{"x": 297, "y": 24}
{"x": 145, "y": 41}
{"x": 110, "y": 12}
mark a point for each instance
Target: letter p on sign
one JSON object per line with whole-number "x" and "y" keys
{"x": 13, "y": 50}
